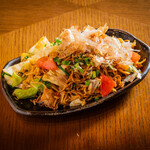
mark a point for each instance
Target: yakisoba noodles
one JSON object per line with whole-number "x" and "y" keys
{"x": 80, "y": 66}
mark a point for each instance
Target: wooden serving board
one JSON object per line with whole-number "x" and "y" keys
{"x": 122, "y": 123}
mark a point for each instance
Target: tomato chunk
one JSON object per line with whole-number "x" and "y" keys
{"x": 107, "y": 84}
{"x": 135, "y": 57}
{"x": 47, "y": 63}
{"x": 40, "y": 62}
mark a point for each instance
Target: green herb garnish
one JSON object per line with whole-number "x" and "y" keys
{"x": 58, "y": 41}
{"x": 97, "y": 73}
{"x": 93, "y": 75}
{"x": 130, "y": 69}
{"x": 96, "y": 98}
{"x": 76, "y": 60}
{"x": 66, "y": 62}
{"x": 81, "y": 55}
{"x": 45, "y": 45}
{"x": 91, "y": 63}
{"x": 60, "y": 67}
{"x": 81, "y": 70}
{"x": 76, "y": 65}
{"x": 53, "y": 44}
{"x": 40, "y": 79}
{"x": 26, "y": 57}
{"x": 36, "y": 80}
{"x": 87, "y": 82}
{"x": 57, "y": 60}
{"x": 87, "y": 60}
{"x": 110, "y": 67}
{"x": 74, "y": 86}
{"x": 47, "y": 84}
{"x": 4, "y": 73}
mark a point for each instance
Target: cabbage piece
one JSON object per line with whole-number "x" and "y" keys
{"x": 16, "y": 79}
{"x": 25, "y": 56}
{"x": 24, "y": 94}
{"x": 57, "y": 77}
{"x": 37, "y": 51}
{"x": 77, "y": 102}
{"x": 41, "y": 44}
{"x": 37, "y": 85}
{"x": 30, "y": 92}
{"x": 48, "y": 99}
{"x": 94, "y": 84}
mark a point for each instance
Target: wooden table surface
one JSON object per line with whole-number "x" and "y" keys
{"x": 122, "y": 123}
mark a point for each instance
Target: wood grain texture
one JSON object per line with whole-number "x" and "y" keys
{"x": 84, "y": 2}
{"x": 19, "y": 13}
{"x": 138, "y": 10}
{"x": 122, "y": 123}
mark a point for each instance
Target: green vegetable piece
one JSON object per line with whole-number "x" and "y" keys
{"x": 97, "y": 73}
{"x": 24, "y": 94}
{"x": 76, "y": 60}
{"x": 111, "y": 67}
{"x": 58, "y": 41}
{"x": 91, "y": 63}
{"x": 60, "y": 67}
{"x": 40, "y": 79}
{"x": 57, "y": 60}
{"x": 53, "y": 44}
{"x": 41, "y": 88}
{"x": 93, "y": 75}
{"x": 87, "y": 60}
{"x": 37, "y": 86}
{"x": 81, "y": 55}
{"x": 76, "y": 65}
{"x": 87, "y": 82}
{"x": 16, "y": 79}
{"x": 81, "y": 70}
{"x": 74, "y": 85}
{"x": 66, "y": 62}
{"x": 36, "y": 80}
{"x": 96, "y": 98}
{"x": 26, "y": 57}
{"x": 130, "y": 69}
{"x": 45, "y": 45}
{"x": 47, "y": 84}
{"x": 4, "y": 73}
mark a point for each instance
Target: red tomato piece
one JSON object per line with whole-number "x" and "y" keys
{"x": 50, "y": 64}
{"x": 46, "y": 63}
{"x": 40, "y": 62}
{"x": 107, "y": 84}
{"x": 135, "y": 57}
